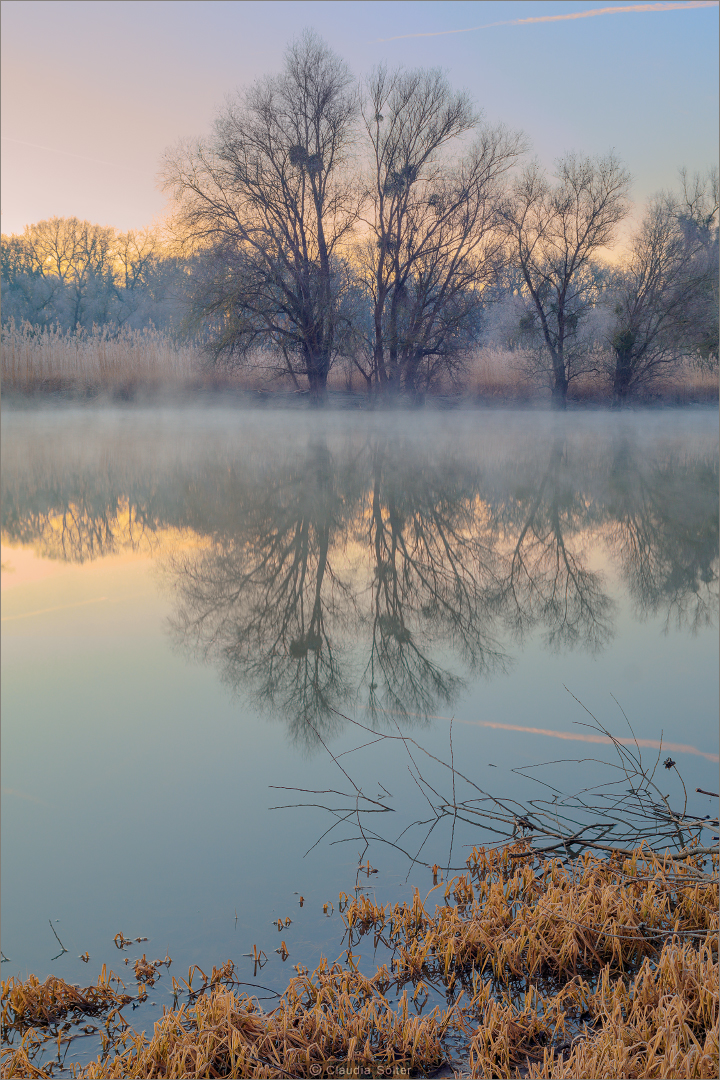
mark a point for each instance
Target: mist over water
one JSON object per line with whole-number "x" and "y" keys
{"x": 191, "y": 597}
{"x": 332, "y": 561}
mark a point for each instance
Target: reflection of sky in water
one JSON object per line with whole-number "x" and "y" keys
{"x": 465, "y": 566}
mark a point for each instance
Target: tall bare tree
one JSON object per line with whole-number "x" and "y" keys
{"x": 554, "y": 231}
{"x": 665, "y": 294}
{"x": 269, "y": 203}
{"x": 432, "y": 218}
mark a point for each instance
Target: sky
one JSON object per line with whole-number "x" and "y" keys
{"x": 93, "y": 91}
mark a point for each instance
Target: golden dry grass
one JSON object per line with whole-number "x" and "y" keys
{"x": 332, "y": 1017}
{"x": 664, "y": 1023}
{"x": 513, "y": 921}
{"x": 33, "y": 1002}
{"x": 35, "y": 359}
{"x": 36, "y": 1010}
{"x": 605, "y": 968}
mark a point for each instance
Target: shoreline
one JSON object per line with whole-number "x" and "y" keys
{"x": 548, "y": 972}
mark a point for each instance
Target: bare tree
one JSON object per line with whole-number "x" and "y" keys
{"x": 433, "y": 237}
{"x": 68, "y": 259}
{"x": 72, "y": 273}
{"x": 269, "y": 203}
{"x": 69, "y": 249}
{"x": 554, "y": 232}
{"x": 665, "y": 295}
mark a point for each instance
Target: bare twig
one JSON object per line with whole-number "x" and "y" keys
{"x": 613, "y": 816}
{"x": 62, "y": 947}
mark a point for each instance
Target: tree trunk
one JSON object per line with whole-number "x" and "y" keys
{"x": 317, "y": 373}
{"x": 410, "y": 368}
{"x": 622, "y": 377}
{"x": 560, "y": 383}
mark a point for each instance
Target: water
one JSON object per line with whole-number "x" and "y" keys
{"x": 192, "y": 596}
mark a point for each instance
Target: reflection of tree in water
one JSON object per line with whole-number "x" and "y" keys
{"x": 90, "y": 521}
{"x": 266, "y": 598}
{"x": 430, "y": 576}
{"x": 369, "y": 568}
{"x": 662, "y": 524}
{"x": 269, "y": 601}
{"x": 546, "y": 581}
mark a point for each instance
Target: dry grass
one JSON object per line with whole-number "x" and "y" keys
{"x": 515, "y": 922}
{"x": 334, "y": 1017}
{"x": 497, "y": 374}
{"x": 34, "y": 359}
{"x": 663, "y": 1024}
{"x": 45, "y": 1011}
{"x": 32, "y": 1002}
{"x": 603, "y": 968}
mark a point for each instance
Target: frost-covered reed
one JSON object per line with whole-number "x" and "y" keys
{"x": 35, "y": 358}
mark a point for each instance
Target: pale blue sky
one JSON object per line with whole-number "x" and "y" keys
{"x": 93, "y": 92}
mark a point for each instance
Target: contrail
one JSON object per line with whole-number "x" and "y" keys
{"x": 631, "y": 8}
{"x": 46, "y": 610}
{"x": 579, "y": 736}
{"x": 22, "y": 795}
{"x": 653, "y": 744}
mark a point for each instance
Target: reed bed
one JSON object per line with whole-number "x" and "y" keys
{"x": 604, "y": 967}
{"x": 35, "y": 359}
{"x": 57, "y": 1011}
{"x": 497, "y": 374}
{"x": 332, "y": 1017}
{"x": 664, "y": 1024}
{"x": 519, "y": 922}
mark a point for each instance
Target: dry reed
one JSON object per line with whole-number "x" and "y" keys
{"x": 41, "y": 359}
{"x": 606, "y": 967}
{"x": 50, "y": 359}
{"x": 33, "y": 1002}
{"x": 517, "y": 922}
{"x": 334, "y": 1017}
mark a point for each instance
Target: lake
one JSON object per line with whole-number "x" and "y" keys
{"x": 198, "y": 602}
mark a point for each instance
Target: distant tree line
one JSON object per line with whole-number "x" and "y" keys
{"x": 72, "y": 274}
{"x": 392, "y": 229}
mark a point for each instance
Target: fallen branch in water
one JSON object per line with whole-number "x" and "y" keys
{"x": 610, "y": 817}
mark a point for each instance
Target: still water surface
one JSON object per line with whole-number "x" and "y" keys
{"x": 190, "y": 597}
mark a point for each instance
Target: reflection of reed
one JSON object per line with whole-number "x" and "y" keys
{"x": 340, "y": 568}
